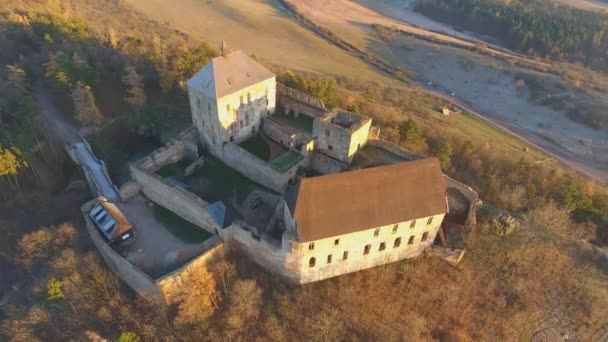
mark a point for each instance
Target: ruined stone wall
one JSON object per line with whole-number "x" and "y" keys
{"x": 171, "y": 285}
{"x": 291, "y": 100}
{"x": 135, "y": 278}
{"x": 326, "y": 165}
{"x": 471, "y": 195}
{"x": 279, "y": 134}
{"x": 180, "y": 201}
{"x": 255, "y": 168}
{"x": 407, "y": 155}
{"x": 128, "y": 190}
{"x": 271, "y": 257}
{"x": 174, "y": 151}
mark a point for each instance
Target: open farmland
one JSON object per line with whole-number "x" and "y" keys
{"x": 258, "y": 27}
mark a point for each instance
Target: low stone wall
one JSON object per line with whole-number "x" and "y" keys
{"x": 180, "y": 201}
{"x": 128, "y": 191}
{"x": 290, "y": 100}
{"x": 135, "y": 278}
{"x": 326, "y": 165}
{"x": 271, "y": 257}
{"x": 277, "y": 133}
{"x": 255, "y": 168}
{"x": 394, "y": 149}
{"x": 471, "y": 195}
{"x": 174, "y": 151}
{"x": 171, "y": 284}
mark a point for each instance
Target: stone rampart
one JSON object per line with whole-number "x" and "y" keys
{"x": 265, "y": 254}
{"x": 291, "y": 100}
{"x": 471, "y": 195}
{"x": 326, "y": 165}
{"x": 180, "y": 201}
{"x": 171, "y": 285}
{"x": 135, "y": 278}
{"x": 394, "y": 149}
{"x": 172, "y": 152}
{"x": 255, "y": 168}
{"x": 128, "y": 190}
{"x": 279, "y": 134}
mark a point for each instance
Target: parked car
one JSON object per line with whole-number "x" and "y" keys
{"x": 111, "y": 223}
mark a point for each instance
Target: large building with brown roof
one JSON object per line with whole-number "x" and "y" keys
{"x": 354, "y": 220}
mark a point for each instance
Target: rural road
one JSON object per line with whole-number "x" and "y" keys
{"x": 560, "y": 154}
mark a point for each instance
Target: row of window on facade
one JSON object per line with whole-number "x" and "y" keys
{"x": 366, "y": 250}
{"x": 311, "y": 245}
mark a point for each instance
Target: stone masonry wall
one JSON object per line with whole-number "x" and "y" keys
{"x": 174, "y": 151}
{"x": 394, "y": 149}
{"x": 172, "y": 284}
{"x": 180, "y": 201}
{"x": 471, "y": 195}
{"x": 326, "y": 165}
{"x": 291, "y": 100}
{"x": 272, "y": 258}
{"x": 277, "y": 133}
{"x": 135, "y": 278}
{"x": 255, "y": 168}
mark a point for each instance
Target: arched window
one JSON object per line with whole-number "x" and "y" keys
{"x": 382, "y": 246}
{"x": 312, "y": 262}
{"x": 397, "y": 243}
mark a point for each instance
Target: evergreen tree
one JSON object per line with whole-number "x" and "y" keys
{"x": 135, "y": 88}
{"x": 84, "y": 105}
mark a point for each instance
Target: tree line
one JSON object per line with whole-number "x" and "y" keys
{"x": 535, "y": 27}
{"x": 79, "y": 63}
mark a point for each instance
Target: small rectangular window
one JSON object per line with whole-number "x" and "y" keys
{"x": 209, "y": 108}
{"x": 366, "y": 249}
{"x": 345, "y": 255}
{"x": 413, "y": 224}
{"x": 331, "y": 148}
{"x": 248, "y": 97}
{"x": 329, "y": 259}
{"x": 336, "y": 242}
{"x": 430, "y": 220}
{"x": 311, "y": 246}
{"x": 425, "y": 236}
{"x": 395, "y": 228}
{"x": 228, "y": 108}
{"x": 377, "y": 232}
{"x": 397, "y": 242}
{"x": 198, "y": 103}
{"x": 382, "y": 247}
{"x": 312, "y": 262}
{"x": 241, "y": 99}
{"x": 411, "y": 240}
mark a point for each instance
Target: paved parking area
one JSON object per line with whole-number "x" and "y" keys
{"x": 155, "y": 250}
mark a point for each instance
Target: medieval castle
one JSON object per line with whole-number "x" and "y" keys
{"x": 317, "y": 195}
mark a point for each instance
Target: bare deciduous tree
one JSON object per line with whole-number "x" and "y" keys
{"x": 135, "y": 88}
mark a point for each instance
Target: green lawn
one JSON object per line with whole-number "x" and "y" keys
{"x": 258, "y": 147}
{"x": 286, "y": 161}
{"x": 214, "y": 181}
{"x": 302, "y": 122}
{"x": 180, "y": 228}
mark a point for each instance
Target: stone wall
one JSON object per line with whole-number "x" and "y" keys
{"x": 135, "y": 278}
{"x": 326, "y": 165}
{"x": 272, "y": 258}
{"x": 255, "y": 168}
{"x": 170, "y": 285}
{"x": 407, "y": 155}
{"x": 291, "y": 100}
{"x": 174, "y": 151}
{"x": 279, "y": 134}
{"x": 180, "y": 201}
{"x": 471, "y": 195}
{"x": 128, "y": 190}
